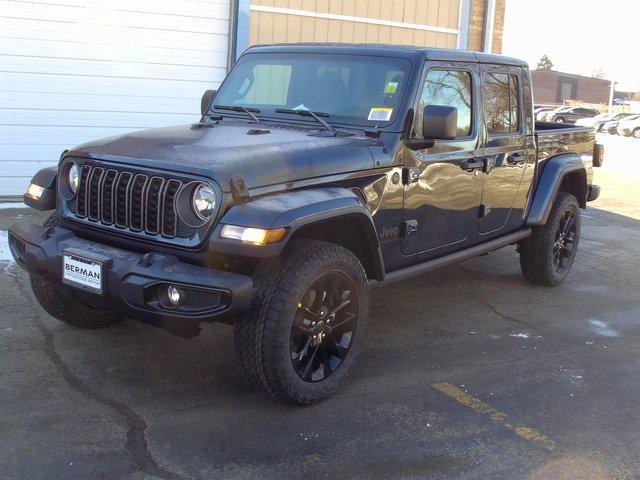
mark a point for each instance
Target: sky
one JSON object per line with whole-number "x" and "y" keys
{"x": 579, "y": 36}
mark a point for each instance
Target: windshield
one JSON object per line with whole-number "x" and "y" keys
{"x": 349, "y": 89}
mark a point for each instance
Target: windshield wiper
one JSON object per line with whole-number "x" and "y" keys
{"x": 240, "y": 108}
{"x": 309, "y": 113}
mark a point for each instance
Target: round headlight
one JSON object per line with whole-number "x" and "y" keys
{"x": 74, "y": 178}
{"x": 204, "y": 201}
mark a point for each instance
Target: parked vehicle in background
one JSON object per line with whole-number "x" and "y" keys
{"x": 315, "y": 172}
{"x": 600, "y": 120}
{"x": 546, "y": 116}
{"x": 611, "y": 126}
{"x": 540, "y": 111}
{"x": 573, "y": 114}
{"x": 629, "y": 127}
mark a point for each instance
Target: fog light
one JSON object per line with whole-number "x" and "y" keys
{"x": 175, "y": 295}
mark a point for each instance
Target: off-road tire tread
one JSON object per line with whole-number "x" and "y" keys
{"x": 260, "y": 327}
{"x": 245, "y": 328}
{"x": 536, "y": 259}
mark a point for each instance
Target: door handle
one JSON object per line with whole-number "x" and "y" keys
{"x": 516, "y": 158}
{"x": 472, "y": 164}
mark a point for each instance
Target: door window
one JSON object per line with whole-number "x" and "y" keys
{"x": 501, "y": 103}
{"x": 451, "y": 88}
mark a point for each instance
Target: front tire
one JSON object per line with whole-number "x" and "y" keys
{"x": 636, "y": 133}
{"x": 306, "y": 327}
{"x": 61, "y": 305}
{"x": 546, "y": 257}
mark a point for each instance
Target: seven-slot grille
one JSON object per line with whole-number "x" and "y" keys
{"x": 139, "y": 202}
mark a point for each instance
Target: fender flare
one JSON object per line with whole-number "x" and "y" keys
{"x": 548, "y": 185}
{"x": 293, "y": 210}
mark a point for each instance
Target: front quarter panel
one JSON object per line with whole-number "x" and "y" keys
{"x": 292, "y": 210}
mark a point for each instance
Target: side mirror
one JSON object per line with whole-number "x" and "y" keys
{"x": 440, "y": 122}
{"x": 206, "y": 101}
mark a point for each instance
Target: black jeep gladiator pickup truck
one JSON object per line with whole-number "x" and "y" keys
{"x": 315, "y": 173}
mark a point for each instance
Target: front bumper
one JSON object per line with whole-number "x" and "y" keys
{"x": 131, "y": 281}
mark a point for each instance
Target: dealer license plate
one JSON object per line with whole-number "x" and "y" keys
{"x": 82, "y": 272}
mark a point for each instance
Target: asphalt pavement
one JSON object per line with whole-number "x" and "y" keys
{"x": 469, "y": 373}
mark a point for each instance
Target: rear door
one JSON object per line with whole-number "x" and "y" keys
{"x": 505, "y": 152}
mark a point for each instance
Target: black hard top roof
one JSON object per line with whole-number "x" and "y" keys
{"x": 407, "y": 51}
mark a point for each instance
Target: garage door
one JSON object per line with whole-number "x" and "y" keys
{"x": 431, "y": 23}
{"x": 75, "y": 70}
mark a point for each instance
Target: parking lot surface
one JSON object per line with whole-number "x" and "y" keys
{"x": 469, "y": 373}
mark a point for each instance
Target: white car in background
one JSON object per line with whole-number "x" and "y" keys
{"x": 597, "y": 121}
{"x": 611, "y": 126}
{"x": 547, "y": 116}
{"x": 540, "y": 111}
{"x": 600, "y": 120}
{"x": 629, "y": 127}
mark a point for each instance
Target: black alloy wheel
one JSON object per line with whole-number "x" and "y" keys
{"x": 546, "y": 257}
{"x": 324, "y": 326}
{"x": 563, "y": 247}
{"x": 306, "y": 326}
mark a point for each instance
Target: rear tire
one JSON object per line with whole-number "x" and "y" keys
{"x": 546, "y": 257}
{"x": 636, "y": 133}
{"x": 287, "y": 344}
{"x": 60, "y": 304}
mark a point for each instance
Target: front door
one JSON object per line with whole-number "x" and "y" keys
{"x": 505, "y": 151}
{"x": 444, "y": 182}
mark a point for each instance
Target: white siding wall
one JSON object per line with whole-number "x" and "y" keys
{"x": 76, "y": 70}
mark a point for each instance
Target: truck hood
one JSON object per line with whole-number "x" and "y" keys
{"x": 285, "y": 154}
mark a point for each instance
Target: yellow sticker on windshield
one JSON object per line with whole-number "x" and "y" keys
{"x": 380, "y": 114}
{"x": 391, "y": 87}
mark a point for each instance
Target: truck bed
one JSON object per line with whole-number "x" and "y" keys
{"x": 553, "y": 138}
{"x": 548, "y": 126}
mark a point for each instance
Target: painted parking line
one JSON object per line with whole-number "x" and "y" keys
{"x": 497, "y": 416}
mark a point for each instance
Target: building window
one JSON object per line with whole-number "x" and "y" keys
{"x": 501, "y": 103}
{"x": 566, "y": 90}
{"x": 451, "y": 88}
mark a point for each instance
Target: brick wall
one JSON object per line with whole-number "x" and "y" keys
{"x": 476, "y": 25}
{"x": 593, "y": 90}
{"x": 584, "y": 89}
{"x": 498, "y": 26}
{"x": 545, "y": 86}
